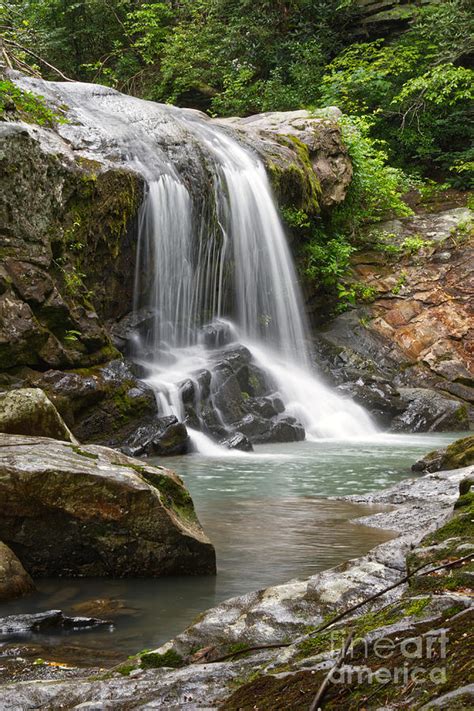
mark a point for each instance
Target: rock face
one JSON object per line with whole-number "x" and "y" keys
{"x": 29, "y": 412}
{"x": 416, "y": 334}
{"x": 71, "y": 243}
{"x": 320, "y": 173}
{"x": 73, "y": 510}
{"x": 14, "y": 580}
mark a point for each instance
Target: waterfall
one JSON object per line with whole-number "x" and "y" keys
{"x": 211, "y": 248}
{"x": 243, "y": 248}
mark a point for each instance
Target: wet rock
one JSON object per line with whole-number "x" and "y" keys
{"x": 162, "y": 436}
{"x": 238, "y": 441}
{"x": 377, "y": 396}
{"x": 133, "y": 330}
{"x": 87, "y": 510}
{"x": 429, "y": 411}
{"x": 14, "y": 580}
{"x": 217, "y": 334}
{"x": 46, "y": 622}
{"x": 458, "y": 454}
{"x": 28, "y": 411}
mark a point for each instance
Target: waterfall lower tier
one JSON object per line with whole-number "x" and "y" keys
{"x": 226, "y": 341}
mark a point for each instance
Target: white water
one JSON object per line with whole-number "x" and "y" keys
{"x": 211, "y": 246}
{"x": 266, "y": 300}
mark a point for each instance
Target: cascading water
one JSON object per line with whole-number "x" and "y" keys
{"x": 245, "y": 246}
{"x": 213, "y": 253}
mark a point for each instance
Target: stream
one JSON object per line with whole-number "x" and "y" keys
{"x": 270, "y": 520}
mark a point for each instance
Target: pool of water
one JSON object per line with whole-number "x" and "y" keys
{"x": 270, "y": 519}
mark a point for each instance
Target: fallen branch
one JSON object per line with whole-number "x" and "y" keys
{"x": 322, "y": 689}
{"x": 36, "y": 56}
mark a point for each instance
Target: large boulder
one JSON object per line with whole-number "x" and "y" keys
{"x": 68, "y": 510}
{"x": 28, "y": 411}
{"x": 458, "y": 454}
{"x": 429, "y": 411}
{"x": 14, "y": 580}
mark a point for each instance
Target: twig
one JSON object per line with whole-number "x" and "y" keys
{"x": 322, "y": 689}
{"x": 343, "y": 614}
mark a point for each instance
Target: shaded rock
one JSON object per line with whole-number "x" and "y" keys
{"x": 377, "y": 396}
{"x": 238, "y": 441}
{"x": 28, "y": 411}
{"x": 21, "y": 336}
{"x": 103, "y": 404}
{"x": 14, "y": 580}
{"x": 67, "y": 258}
{"x": 163, "y": 436}
{"x": 217, "y": 334}
{"x": 133, "y": 330}
{"x": 429, "y": 411}
{"x": 69, "y": 510}
{"x": 458, "y": 454}
{"x": 50, "y": 621}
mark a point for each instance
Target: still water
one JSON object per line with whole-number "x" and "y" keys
{"x": 270, "y": 520}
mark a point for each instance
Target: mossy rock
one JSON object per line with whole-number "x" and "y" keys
{"x": 457, "y": 455}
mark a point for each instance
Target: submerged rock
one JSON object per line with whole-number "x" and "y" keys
{"x": 50, "y": 621}
{"x": 28, "y": 411}
{"x": 68, "y": 510}
{"x": 14, "y": 580}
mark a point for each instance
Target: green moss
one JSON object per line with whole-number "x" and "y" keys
{"x": 416, "y": 606}
{"x": 295, "y": 184}
{"x": 460, "y": 453}
{"x": 175, "y": 495}
{"x": 237, "y": 647}
{"x": 153, "y": 660}
{"x": 125, "y": 669}
{"x": 83, "y": 453}
{"x": 320, "y": 643}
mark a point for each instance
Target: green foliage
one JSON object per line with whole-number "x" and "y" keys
{"x": 376, "y": 188}
{"x": 401, "y": 281}
{"x": 412, "y": 245}
{"x": 412, "y": 90}
{"x": 327, "y": 259}
{"x": 17, "y": 104}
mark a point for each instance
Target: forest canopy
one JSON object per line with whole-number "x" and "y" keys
{"x": 411, "y": 86}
